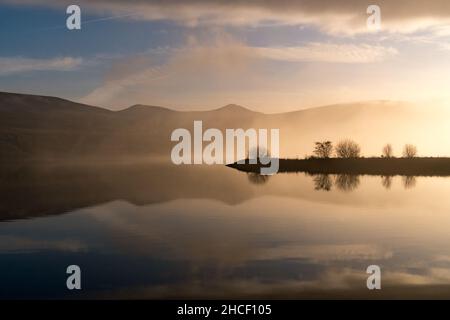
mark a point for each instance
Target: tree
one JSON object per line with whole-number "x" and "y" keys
{"x": 348, "y": 149}
{"x": 388, "y": 151}
{"x": 257, "y": 153}
{"x": 409, "y": 151}
{"x": 323, "y": 149}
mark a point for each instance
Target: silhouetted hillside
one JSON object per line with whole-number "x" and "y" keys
{"x": 47, "y": 127}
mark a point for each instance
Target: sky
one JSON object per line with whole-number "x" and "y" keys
{"x": 270, "y": 56}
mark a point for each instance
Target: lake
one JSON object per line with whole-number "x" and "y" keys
{"x": 153, "y": 231}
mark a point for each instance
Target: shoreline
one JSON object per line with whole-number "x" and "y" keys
{"x": 359, "y": 166}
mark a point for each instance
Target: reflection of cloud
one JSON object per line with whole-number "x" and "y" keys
{"x": 347, "y": 16}
{"x": 342, "y": 280}
{"x": 228, "y": 245}
{"x": 431, "y": 276}
{"x": 23, "y": 244}
{"x": 327, "y": 280}
{"x": 230, "y": 242}
{"x": 212, "y": 250}
{"x": 21, "y": 65}
{"x": 245, "y": 253}
{"x": 329, "y": 252}
{"x": 337, "y": 282}
{"x": 442, "y": 258}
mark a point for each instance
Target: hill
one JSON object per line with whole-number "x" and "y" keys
{"x": 47, "y": 127}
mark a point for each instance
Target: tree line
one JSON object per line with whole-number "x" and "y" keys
{"x": 347, "y": 149}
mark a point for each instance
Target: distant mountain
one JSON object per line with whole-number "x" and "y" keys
{"x": 236, "y": 109}
{"x": 47, "y": 127}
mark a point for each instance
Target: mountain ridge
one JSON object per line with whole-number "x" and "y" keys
{"x": 34, "y": 126}
{"x": 229, "y": 107}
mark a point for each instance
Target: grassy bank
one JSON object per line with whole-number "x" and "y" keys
{"x": 367, "y": 166}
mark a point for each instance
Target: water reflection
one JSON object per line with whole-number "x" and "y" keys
{"x": 351, "y": 182}
{"x": 386, "y": 182}
{"x": 409, "y": 182}
{"x": 347, "y": 182}
{"x": 161, "y": 231}
{"x": 256, "y": 178}
{"x": 323, "y": 182}
{"x": 28, "y": 192}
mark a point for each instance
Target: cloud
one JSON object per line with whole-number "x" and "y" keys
{"x": 222, "y": 68}
{"x": 17, "y": 65}
{"x": 345, "y": 16}
{"x": 325, "y": 52}
{"x": 187, "y": 71}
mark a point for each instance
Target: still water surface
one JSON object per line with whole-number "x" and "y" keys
{"x": 160, "y": 231}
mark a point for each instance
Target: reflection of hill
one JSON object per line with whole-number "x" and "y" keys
{"x": 28, "y": 191}
{"x": 31, "y": 191}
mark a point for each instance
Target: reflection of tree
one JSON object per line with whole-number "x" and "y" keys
{"x": 386, "y": 181}
{"x": 257, "y": 178}
{"x": 347, "y": 182}
{"x": 409, "y": 182}
{"x": 322, "y": 182}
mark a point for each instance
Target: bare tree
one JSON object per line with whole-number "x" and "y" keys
{"x": 348, "y": 149}
{"x": 388, "y": 151}
{"x": 409, "y": 151}
{"x": 256, "y": 153}
{"x": 323, "y": 149}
